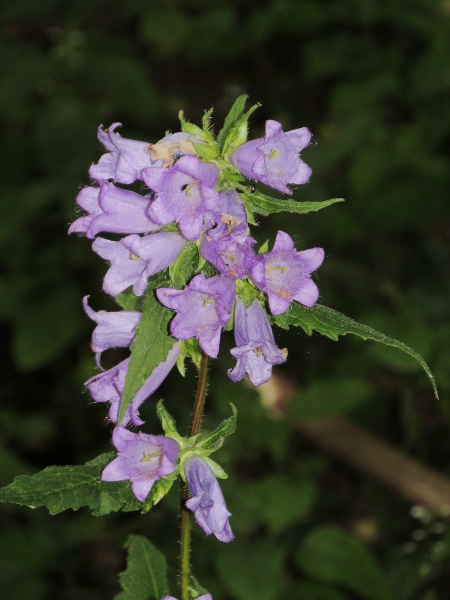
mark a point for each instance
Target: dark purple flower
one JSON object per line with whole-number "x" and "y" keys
{"x": 274, "y": 159}
{"x": 134, "y": 259}
{"x": 285, "y": 274}
{"x": 185, "y": 194}
{"x": 203, "y": 308}
{"x": 114, "y": 329}
{"x": 207, "y": 501}
{"x": 142, "y": 459}
{"x": 255, "y": 350}
{"x": 112, "y": 210}
{"x": 108, "y": 387}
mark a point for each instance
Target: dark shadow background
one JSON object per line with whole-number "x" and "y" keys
{"x": 371, "y": 79}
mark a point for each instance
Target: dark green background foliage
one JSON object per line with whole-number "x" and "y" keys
{"x": 371, "y": 79}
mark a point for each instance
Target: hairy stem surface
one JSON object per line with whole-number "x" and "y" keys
{"x": 194, "y": 429}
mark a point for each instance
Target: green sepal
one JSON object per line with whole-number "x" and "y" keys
{"x": 128, "y": 301}
{"x": 236, "y": 112}
{"x": 332, "y": 324}
{"x": 215, "y": 468}
{"x": 168, "y": 424}
{"x": 159, "y": 490}
{"x": 206, "y": 151}
{"x": 184, "y": 266}
{"x": 196, "y": 589}
{"x": 192, "y": 129}
{"x": 230, "y": 177}
{"x": 246, "y": 291}
{"x": 191, "y": 348}
{"x": 237, "y": 134}
{"x": 214, "y": 440}
{"x": 264, "y": 247}
{"x": 265, "y": 205}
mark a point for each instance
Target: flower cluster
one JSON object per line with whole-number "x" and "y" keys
{"x": 191, "y": 202}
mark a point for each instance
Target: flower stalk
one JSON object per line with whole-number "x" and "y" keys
{"x": 185, "y": 514}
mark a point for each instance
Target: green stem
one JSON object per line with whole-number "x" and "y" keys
{"x": 194, "y": 429}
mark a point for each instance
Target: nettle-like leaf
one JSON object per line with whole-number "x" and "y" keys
{"x": 150, "y": 347}
{"x": 238, "y": 132}
{"x": 145, "y": 577}
{"x": 265, "y": 205}
{"x": 61, "y": 488}
{"x": 332, "y": 324}
{"x": 184, "y": 266}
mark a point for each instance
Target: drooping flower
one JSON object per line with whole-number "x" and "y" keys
{"x": 134, "y": 259}
{"x": 231, "y": 218}
{"x": 142, "y": 459}
{"x": 230, "y": 257}
{"x": 185, "y": 194}
{"x": 125, "y": 159}
{"x": 285, "y": 274}
{"x": 113, "y": 210}
{"x": 207, "y": 501}
{"x": 256, "y": 351}
{"x": 274, "y": 159}
{"x": 203, "y": 308}
{"x": 108, "y": 387}
{"x": 114, "y": 329}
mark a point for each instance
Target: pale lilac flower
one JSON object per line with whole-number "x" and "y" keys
{"x": 113, "y": 210}
{"x": 125, "y": 158}
{"x": 231, "y": 218}
{"x": 203, "y": 308}
{"x": 134, "y": 259}
{"x": 108, "y": 387}
{"x": 274, "y": 159}
{"x": 114, "y": 329}
{"x": 255, "y": 350}
{"x": 185, "y": 194}
{"x": 142, "y": 459}
{"x": 207, "y": 501}
{"x": 285, "y": 274}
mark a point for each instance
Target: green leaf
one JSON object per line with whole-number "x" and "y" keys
{"x": 61, "y": 488}
{"x": 159, "y": 490}
{"x": 196, "y": 588}
{"x": 168, "y": 422}
{"x": 145, "y": 577}
{"x": 187, "y": 127}
{"x": 215, "y": 468}
{"x": 265, "y": 205}
{"x": 149, "y": 348}
{"x": 184, "y": 266}
{"x": 206, "y": 151}
{"x": 232, "y": 117}
{"x": 331, "y": 555}
{"x": 215, "y": 439}
{"x": 332, "y": 324}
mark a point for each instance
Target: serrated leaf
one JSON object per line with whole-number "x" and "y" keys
{"x": 215, "y": 439}
{"x": 238, "y": 132}
{"x": 184, "y": 266}
{"x": 265, "y": 205}
{"x": 206, "y": 151}
{"x": 232, "y": 117}
{"x": 332, "y": 324}
{"x": 145, "y": 577}
{"x": 331, "y": 555}
{"x": 187, "y": 127}
{"x": 150, "y": 347}
{"x": 61, "y": 488}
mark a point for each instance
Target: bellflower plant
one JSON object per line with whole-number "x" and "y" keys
{"x": 185, "y": 269}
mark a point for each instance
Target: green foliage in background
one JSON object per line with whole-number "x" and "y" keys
{"x": 371, "y": 80}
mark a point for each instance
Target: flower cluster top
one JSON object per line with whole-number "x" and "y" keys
{"x": 188, "y": 233}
